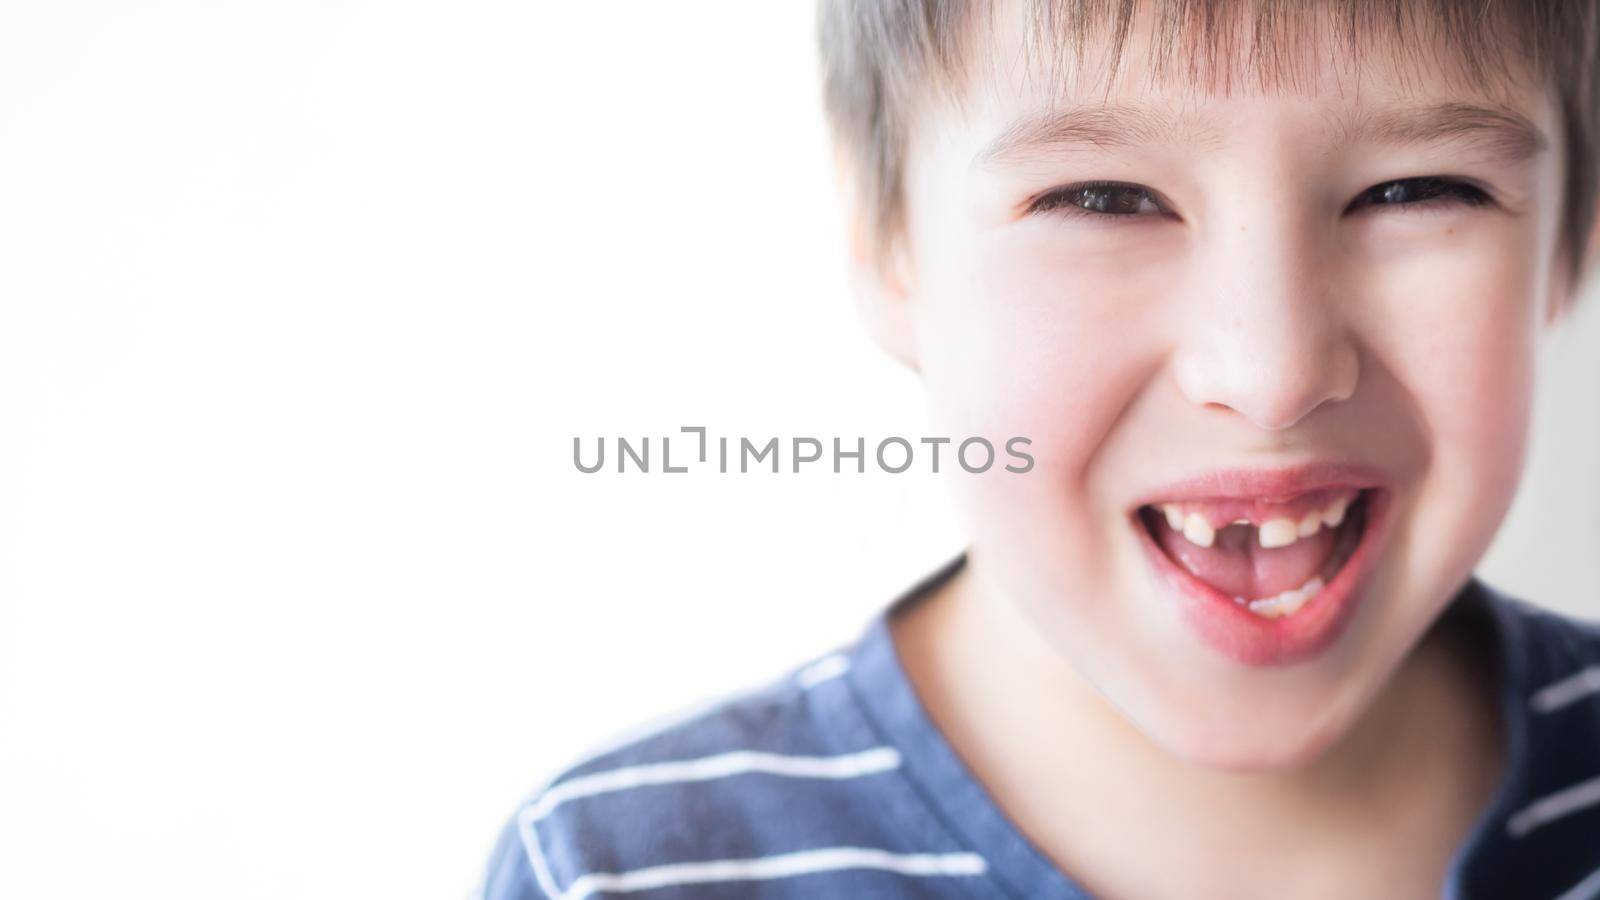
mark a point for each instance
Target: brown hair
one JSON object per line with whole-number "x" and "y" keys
{"x": 880, "y": 57}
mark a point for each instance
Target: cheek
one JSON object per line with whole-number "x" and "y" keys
{"x": 1459, "y": 334}
{"x": 1022, "y": 338}
{"x": 1462, "y": 339}
{"x": 1020, "y": 341}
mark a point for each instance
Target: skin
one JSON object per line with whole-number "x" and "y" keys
{"x": 1249, "y": 318}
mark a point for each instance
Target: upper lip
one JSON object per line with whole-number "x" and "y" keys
{"x": 1266, "y": 483}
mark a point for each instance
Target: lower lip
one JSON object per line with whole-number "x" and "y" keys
{"x": 1253, "y": 640}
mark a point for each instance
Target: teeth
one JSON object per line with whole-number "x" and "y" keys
{"x": 1334, "y": 514}
{"x": 1174, "y": 517}
{"x": 1282, "y": 532}
{"x": 1273, "y": 533}
{"x": 1287, "y": 602}
{"x": 1278, "y": 533}
{"x": 1281, "y": 605}
{"x": 1198, "y": 531}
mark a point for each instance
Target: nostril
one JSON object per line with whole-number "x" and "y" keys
{"x": 1272, "y": 412}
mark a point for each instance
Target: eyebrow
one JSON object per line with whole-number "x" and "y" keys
{"x": 1503, "y": 133}
{"x": 1088, "y": 127}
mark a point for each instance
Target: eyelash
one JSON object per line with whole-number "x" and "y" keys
{"x": 1438, "y": 191}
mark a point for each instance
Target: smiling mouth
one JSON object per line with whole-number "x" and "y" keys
{"x": 1270, "y": 557}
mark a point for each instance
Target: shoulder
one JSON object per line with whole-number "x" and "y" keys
{"x": 1558, "y": 653}
{"x": 1548, "y": 804}
{"x": 751, "y": 773}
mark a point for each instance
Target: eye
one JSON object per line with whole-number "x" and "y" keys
{"x": 1423, "y": 192}
{"x": 1098, "y": 200}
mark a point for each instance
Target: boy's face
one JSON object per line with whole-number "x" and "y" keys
{"x": 1314, "y": 312}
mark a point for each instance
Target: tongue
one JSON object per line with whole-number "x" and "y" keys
{"x": 1237, "y": 566}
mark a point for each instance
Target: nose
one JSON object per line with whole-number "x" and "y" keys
{"x": 1269, "y": 341}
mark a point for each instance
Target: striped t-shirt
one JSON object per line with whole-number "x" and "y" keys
{"x": 832, "y": 782}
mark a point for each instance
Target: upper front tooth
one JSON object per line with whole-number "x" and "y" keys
{"x": 1278, "y": 533}
{"x": 1334, "y": 514}
{"x": 1198, "y": 531}
{"x": 1310, "y": 525}
{"x": 1174, "y": 516}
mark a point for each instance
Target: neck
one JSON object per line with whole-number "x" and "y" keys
{"x": 1425, "y": 752}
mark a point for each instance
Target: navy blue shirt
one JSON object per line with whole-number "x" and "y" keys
{"x": 832, "y": 781}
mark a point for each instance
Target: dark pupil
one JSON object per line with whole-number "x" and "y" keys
{"x": 1111, "y": 199}
{"x": 1408, "y": 191}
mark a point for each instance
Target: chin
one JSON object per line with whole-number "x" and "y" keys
{"x": 1240, "y": 743}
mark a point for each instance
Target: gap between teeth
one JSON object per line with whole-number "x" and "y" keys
{"x": 1271, "y": 534}
{"x": 1286, "y": 602}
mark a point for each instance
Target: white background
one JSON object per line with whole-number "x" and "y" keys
{"x": 301, "y": 305}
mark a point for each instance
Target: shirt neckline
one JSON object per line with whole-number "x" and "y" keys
{"x": 952, "y": 793}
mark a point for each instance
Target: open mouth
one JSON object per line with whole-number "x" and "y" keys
{"x": 1270, "y": 557}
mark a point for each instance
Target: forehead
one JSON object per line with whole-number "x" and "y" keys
{"x": 1176, "y": 70}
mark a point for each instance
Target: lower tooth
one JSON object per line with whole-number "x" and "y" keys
{"x": 1287, "y": 602}
{"x": 1281, "y": 605}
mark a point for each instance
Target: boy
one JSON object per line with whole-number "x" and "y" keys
{"x": 1263, "y": 283}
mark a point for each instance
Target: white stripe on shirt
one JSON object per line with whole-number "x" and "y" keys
{"x": 1550, "y": 807}
{"x": 541, "y": 869}
{"x": 1567, "y": 691}
{"x": 783, "y": 865}
{"x": 830, "y": 666}
{"x": 1587, "y": 889}
{"x": 706, "y": 768}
